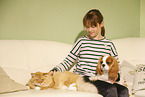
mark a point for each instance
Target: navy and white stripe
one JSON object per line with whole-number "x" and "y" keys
{"x": 87, "y": 52}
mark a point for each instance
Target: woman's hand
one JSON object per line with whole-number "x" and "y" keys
{"x": 52, "y": 72}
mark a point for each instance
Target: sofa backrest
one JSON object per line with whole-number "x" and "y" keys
{"x": 131, "y": 49}
{"x": 19, "y": 58}
{"x": 31, "y": 54}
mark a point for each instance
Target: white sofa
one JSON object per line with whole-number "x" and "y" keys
{"x": 19, "y": 58}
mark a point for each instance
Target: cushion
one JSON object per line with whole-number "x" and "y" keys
{"x": 9, "y": 85}
{"x": 19, "y": 75}
{"x": 127, "y": 71}
{"x": 139, "y": 79}
{"x": 127, "y": 74}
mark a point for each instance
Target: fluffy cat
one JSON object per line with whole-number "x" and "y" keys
{"x": 67, "y": 78}
{"x": 41, "y": 80}
{"x": 64, "y": 79}
{"x": 60, "y": 80}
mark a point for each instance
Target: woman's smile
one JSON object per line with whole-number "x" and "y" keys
{"x": 91, "y": 32}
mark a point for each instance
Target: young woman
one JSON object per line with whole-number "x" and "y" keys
{"x": 87, "y": 51}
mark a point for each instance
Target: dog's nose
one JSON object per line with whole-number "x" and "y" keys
{"x": 103, "y": 65}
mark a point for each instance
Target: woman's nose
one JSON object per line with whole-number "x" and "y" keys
{"x": 90, "y": 29}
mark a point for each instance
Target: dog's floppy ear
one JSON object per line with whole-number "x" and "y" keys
{"x": 99, "y": 70}
{"x": 114, "y": 69}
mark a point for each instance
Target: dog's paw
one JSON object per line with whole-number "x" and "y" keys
{"x": 93, "y": 78}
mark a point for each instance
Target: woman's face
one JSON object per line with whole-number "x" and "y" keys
{"x": 93, "y": 31}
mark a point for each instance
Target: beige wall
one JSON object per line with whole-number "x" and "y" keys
{"x": 61, "y": 20}
{"x": 142, "y": 18}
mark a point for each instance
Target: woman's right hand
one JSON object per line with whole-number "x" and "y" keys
{"x": 52, "y": 72}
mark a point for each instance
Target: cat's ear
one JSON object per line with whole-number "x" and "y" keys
{"x": 32, "y": 75}
{"x": 48, "y": 74}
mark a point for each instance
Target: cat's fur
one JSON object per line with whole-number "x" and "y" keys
{"x": 62, "y": 79}
{"x": 66, "y": 78}
{"x": 59, "y": 80}
{"x": 41, "y": 80}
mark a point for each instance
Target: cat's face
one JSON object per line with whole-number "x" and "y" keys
{"x": 42, "y": 79}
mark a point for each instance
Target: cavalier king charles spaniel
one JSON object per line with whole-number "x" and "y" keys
{"x": 107, "y": 69}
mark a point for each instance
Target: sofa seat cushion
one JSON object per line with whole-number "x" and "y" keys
{"x": 50, "y": 93}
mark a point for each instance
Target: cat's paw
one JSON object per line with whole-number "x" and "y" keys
{"x": 73, "y": 87}
{"x": 64, "y": 88}
{"x": 28, "y": 87}
{"x": 37, "y": 88}
{"x": 93, "y": 78}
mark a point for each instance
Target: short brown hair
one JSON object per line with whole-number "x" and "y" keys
{"x": 93, "y": 17}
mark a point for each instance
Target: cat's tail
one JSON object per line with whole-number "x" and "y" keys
{"x": 84, "y": 86}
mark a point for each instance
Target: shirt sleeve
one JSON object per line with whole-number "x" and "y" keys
{"x": 68, "y": 62}
{"x": 115, "y": 54}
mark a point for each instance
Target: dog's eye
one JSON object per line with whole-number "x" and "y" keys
{"x": 108, "y": 62}
{"x": 101, "y": 62}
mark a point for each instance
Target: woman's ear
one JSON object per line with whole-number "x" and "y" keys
{"x": 102, "y": 24}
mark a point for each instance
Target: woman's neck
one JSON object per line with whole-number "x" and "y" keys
{"x": 96, "y": 38}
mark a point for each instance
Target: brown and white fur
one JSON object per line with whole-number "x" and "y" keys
{"x": 41, "y": 81}
{"x": 66, "y": 78}
{"x": 107, "y": 69}
{"x": 60, "y": 80}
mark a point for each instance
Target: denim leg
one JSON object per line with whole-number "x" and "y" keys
{"x": 106, "y": 89}
{"x": 122, "y": 90}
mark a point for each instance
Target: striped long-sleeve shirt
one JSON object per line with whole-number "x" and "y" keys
{"x": 87, "y": 52}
